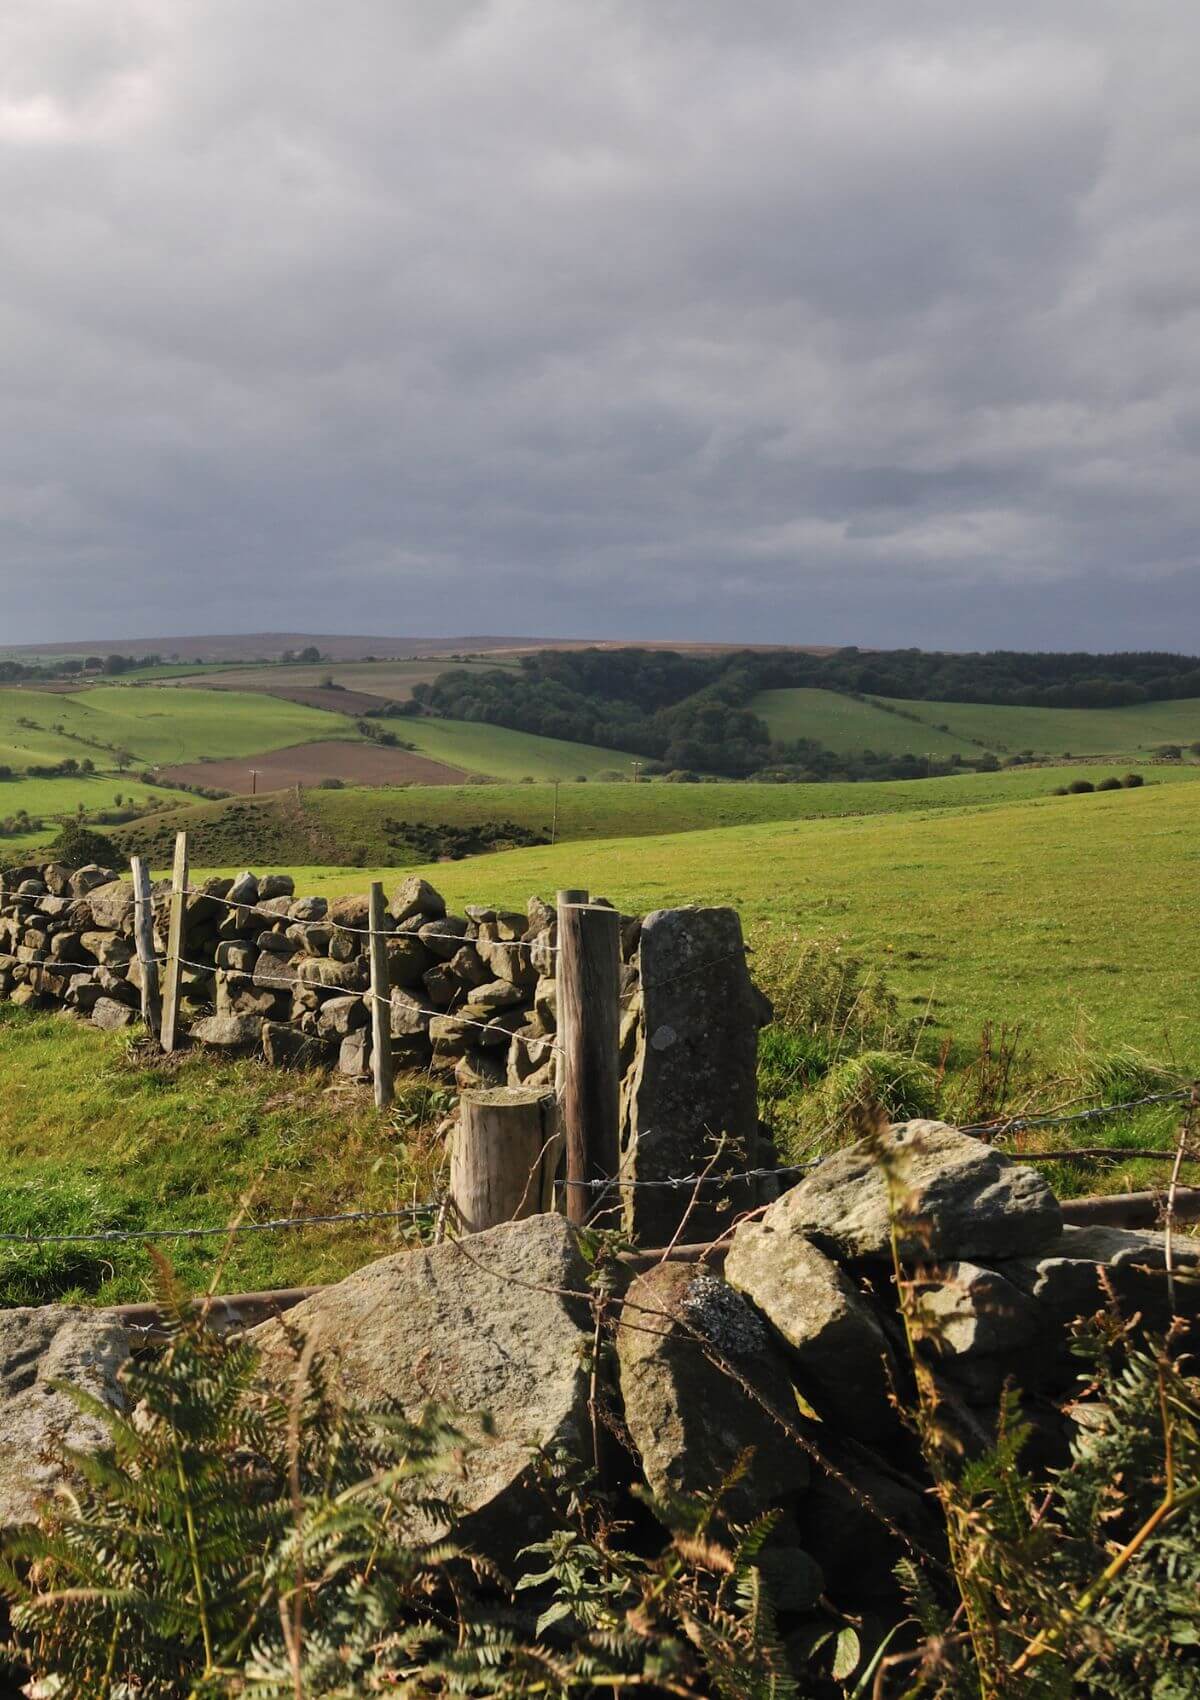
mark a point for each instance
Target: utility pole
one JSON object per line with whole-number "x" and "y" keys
{"x": 554, "y": 820}
{"x": 253, "y": 781}
{"x": 637, "y": 771}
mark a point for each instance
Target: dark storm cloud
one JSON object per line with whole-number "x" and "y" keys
{"x": 776, "y": 321}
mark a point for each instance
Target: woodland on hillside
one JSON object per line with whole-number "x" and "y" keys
{"x": 685, "y": 712}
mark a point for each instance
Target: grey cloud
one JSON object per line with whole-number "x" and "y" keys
{"x": 780, "y": 322}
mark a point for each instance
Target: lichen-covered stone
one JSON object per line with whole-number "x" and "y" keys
{"x": 834, "y": 1339}
{"x": 695, "y": 1078}
{"x": 950, "y": 1195}
{"x": 690, "y": 1419}
{"x": 38, "y": 1347}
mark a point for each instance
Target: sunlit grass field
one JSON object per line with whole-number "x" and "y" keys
{"x": 156, "y": 725}
{"x": 846, "y": 724}
{"x": 1068, "y": 917}
{"x": 357, "y": 818}
{"x": 1055, "y": 912}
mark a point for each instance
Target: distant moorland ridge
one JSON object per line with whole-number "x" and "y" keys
{"x": 336, "y": 646}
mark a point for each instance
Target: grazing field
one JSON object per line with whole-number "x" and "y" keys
{"x": 46, "y": 799}
{"x": 497, "y": 752}
{"x": 1056, "y": 912}
{"x": 155, "y": 725}
{"x": 1066, "y": 915}
{"x": 391, "y": 680}
{"x": 94, "y": 791}
{"x": 308, "y": 764}
{"x": 354, "y": 825}
{"x": 846, "y": 724}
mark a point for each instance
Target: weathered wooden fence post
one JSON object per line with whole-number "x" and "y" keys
{"x": 589, "y": 992}
{"x": 174, "y": 967}
{"x": 381, "y": 1005}
{"x": 143, "y": 933}
{"x": 503, "y": 1154}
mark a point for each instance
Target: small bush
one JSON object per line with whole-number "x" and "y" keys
{"x": 1132, "y": 780}
{"x": 1078, "y": 787}
{"x": 76, "y": 845}
{"x": 331, "y": 784}
{"x": 1109, "y": 784}
{"x": 1059, "y": 791}
{"x": 860, "y": 1092}
{"x": 818, "y": 988}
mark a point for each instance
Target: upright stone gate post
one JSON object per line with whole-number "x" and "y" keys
{"x": 693, "y": 1078}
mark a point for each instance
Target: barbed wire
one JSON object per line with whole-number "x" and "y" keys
{"x": 430, "y": 1207}
{"x": 274, "y": 1225}
{"x": 1001, "y": 1125}
{"x": 396, "y": 931}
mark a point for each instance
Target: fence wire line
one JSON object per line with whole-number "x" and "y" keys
{"x": 345, "y": 927}
{"x": 1001, "y": 1125}
{"x": 374, "y": 997}
{"x": 603, "y": 1184}
{"x": 277, "y": 1223}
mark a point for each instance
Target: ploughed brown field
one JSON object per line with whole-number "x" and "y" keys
{"x": 308, "y": 764}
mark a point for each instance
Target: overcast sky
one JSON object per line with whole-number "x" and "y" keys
{"x": 765, "y": 320}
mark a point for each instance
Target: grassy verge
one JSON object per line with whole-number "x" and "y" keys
{"x": 96, "y": 1138}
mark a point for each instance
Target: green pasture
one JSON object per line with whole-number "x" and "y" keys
{"x": 845, "y": 724}
{"x": 1067, "y": 918}
{"x": 95, "y": 791}
{"x": 354, "y": 823}
{"x": 157, "y": 725}
{"x": 503, "y": 754}
{"x": 1060, "y": 913}
{"x": 625, "y": 811}
{"x": 393, "y": 680}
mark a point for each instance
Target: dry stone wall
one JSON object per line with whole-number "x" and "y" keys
{"x": 792, "y": 1346}
{"x": 473, "y": 997}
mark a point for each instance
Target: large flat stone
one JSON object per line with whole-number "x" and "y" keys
{"x": 952, "y": 1197}
{"x": 1087, "y": 1267}
{"x": 476, "y": 1330}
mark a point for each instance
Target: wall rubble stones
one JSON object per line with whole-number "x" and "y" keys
{"x": 796, "y": 1351}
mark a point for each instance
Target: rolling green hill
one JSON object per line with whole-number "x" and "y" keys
{"x": 157, "y": 726}
{"x": 503, "y": 754}
{"x": 1057, "y": 912}
{"x": 893, "y": 726}
{"x": 354, "y": 825}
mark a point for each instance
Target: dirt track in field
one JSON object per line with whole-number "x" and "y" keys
{"x": 308, "y": 764}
